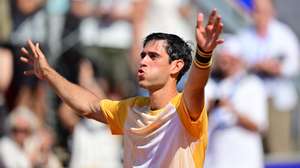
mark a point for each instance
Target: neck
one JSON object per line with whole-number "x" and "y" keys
{"x": 161, "y": 97}
{"x": 262, "y": 32}
{"x": 263, "y": 28}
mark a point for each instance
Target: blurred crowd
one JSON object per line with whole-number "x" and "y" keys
{"x": 96, "y": 43}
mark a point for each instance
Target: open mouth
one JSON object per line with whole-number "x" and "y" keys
{"x": 140, "y": 73}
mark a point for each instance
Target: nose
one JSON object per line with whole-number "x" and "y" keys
{"x": 144, "y": 60}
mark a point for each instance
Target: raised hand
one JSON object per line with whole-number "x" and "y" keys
{"x": 208, "y": 37}
{"x": 36, "y": 58}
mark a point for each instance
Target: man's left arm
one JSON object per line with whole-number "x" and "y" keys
{"x": 207, "y": 39}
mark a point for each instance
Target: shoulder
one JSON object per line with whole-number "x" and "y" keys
{"x": 7, "y": 145}
{"x": 176, "y": 99}
{"x": 281, "y": 29}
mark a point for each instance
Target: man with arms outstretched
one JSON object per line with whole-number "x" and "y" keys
{"x": 166, "y": 129}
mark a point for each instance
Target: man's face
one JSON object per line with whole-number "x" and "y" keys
{"x": 228, "y": 63}
{"x": 262, "y": 14}
{"x": 21, "y": 131}
{"x": 154, "y": 68}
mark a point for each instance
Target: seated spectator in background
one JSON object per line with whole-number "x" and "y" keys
{"x": 94, "y": 146}
{"x": 26, "y": 144}
{"x": 271, "y": 51}
{"x": 41, "y": 147}
{"x": 237, "y": 114}
{"x": 21, "y": 124}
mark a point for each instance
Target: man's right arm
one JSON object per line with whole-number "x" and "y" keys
{"x": 81, "y": 100}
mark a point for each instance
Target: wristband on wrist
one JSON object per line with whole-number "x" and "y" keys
{"x": 203, "y": 53}
{"x": 202, "y": 66}
{"x": 203, "y": 60}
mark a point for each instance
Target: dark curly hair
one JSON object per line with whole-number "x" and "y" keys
{"x": 176, "y": 48}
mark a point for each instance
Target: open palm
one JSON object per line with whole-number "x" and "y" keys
{"x": 35, "y": 57}
{"x": 208, "y": 37}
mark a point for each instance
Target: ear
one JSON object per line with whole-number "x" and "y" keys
{"x": 176, "y": 66}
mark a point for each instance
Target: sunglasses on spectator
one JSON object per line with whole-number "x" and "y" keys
{"x": 21, "y": 130}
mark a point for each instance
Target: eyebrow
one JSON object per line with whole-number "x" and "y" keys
{"x": 150, "y": 52}
{"x": 153, "y": 52}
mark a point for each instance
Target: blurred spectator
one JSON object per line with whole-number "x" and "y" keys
{"x": 271, "y": 51}
{"x": 21, "y": 124}
{"x": 108, "y": 37}
{"x": 237, "y": 114}
{"x": 6, "y": 72}
{"x": 27, "y": 142}
{"x": 102, "y": 31}
{"x": 40, "y": 146}
{"x": 111, "y": 25}
{"x": 93, "y": 145}
{"x": 56, "y": 12}
{"x": 77, "y": 12}
{"x": 82, "y": 137}
{"x": 28, "y": 21}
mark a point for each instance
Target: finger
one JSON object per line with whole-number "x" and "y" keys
{"x": 26, "y": 60}
{"x": 200, "y": 20}
{"x": 220, "y": 41}
{"x": 29, "y": 72}
{"x": 214, "y": 20}
{"x": 200, "y": 38}
{"x": 217, "y": 23}
{"x": 25, "y": 52}
{"x": 212, "y": 16}
{"x": 32, "y": 48}
{"x": 217, "y": 31}
{"x": 200, "y": 29}
{"x": 38, "y": 50}
{"x": 213, "y": 29}
{"x": 209, "y": 30}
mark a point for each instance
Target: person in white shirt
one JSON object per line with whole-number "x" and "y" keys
{"x": 20, "y": 125}
{"x": 237, "y": 114}
{"x": 271, "y": 50}
{"x": 26, "y": 144}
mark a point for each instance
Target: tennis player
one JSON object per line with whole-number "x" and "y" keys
{"x": 166, "y": 129}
